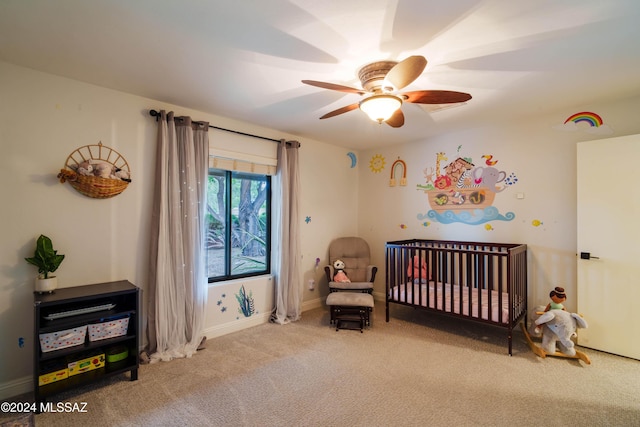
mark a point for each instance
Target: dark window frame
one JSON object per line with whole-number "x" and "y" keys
{"x": 229, "y": 176}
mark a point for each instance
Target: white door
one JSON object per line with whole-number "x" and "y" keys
{"x": 609, "y": 229}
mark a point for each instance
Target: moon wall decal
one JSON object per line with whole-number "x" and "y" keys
{"x": 353, "y": 158}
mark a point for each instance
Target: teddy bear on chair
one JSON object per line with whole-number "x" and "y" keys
{"x": 340, "y": 275}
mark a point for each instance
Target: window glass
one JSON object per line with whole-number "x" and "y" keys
{"x": 216, "y": 223}
{"x": 238, "y": 218}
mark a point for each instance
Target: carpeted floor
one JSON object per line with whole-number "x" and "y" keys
{"x": 419, "y": 369}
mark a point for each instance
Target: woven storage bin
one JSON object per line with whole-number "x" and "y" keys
{"x": 95, "y": 186}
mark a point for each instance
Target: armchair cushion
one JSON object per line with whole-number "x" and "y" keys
{"x": 329, "y": 272}
{"x": 354, "y": 252}
{"x": 350, "y": 286}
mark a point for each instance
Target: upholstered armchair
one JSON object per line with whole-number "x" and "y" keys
{"x": 351, "y": 302}
{"x": 354, "y": 252}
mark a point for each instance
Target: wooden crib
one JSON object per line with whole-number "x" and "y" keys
{"x": 482, "y": 282}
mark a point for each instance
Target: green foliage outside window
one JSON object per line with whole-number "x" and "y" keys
{"x": 238, "y": 224}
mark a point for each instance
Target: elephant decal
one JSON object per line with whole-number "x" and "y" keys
{"x": 489, "y": 177}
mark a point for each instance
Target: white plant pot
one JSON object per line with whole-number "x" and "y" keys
{"x": 46, "y": 285}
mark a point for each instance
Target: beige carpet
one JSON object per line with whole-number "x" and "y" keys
{"x": 419, "y": 369}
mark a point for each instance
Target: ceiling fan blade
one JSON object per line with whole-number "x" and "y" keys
{"x": 406, "y": 71}
{"x": 434, "y": 108}
{"x": 340, "y": 111}
{"x": 435, "y": 97}
{"x": 397, "y": 120}
{"x": 333, "y": 86}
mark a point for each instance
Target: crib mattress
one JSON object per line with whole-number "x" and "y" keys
{"x": 405, "y": 294}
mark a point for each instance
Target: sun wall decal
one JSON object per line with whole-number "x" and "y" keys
{"x": 377, "y": 163}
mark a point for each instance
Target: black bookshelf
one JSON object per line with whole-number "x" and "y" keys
{"x": 125, "y": 298}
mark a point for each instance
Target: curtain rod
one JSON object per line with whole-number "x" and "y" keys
{"x": 156, "y": 114}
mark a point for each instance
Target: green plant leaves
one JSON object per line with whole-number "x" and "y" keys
{"x": 45, "y": 257}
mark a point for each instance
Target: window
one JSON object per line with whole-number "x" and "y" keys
{"x": 238, "y": 225}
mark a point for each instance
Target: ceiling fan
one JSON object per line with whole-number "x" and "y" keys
{"x": 381, "y": 82}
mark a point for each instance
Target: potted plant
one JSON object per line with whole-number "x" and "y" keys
{"x": 47, "y": 260}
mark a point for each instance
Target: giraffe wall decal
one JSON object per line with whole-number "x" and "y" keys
{"x": 439, "y": 157}
{"x": 442, "y": 181}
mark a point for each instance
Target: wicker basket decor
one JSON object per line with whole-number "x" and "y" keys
{"x": 96, "y": 171}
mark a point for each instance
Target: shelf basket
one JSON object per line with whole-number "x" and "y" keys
{"x": 92, "y": 186}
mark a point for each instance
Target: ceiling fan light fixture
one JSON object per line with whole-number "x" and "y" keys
{"x": 380, "y": 108}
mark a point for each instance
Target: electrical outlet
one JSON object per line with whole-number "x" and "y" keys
{"x": 312, "y": 284}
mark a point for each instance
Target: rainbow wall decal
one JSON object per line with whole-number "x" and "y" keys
{"x": 403, "y": 169}
{"x": 592, "y": 119}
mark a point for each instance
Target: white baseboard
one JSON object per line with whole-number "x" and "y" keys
{"x": 379, "y": 296}
{"x": 314, "y": 303}
{"x": 238, "y": 325}
{"x": 255, "y": 320}
{"x": 16, "y": 387}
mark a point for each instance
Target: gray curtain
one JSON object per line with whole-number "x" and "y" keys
{"x": 286, "y": 254}
{"x": 177, "y": 290}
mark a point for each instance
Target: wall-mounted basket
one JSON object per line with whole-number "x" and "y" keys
{"x": 86, "y": 182}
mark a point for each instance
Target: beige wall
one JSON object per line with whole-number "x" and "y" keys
{"x": 544, "y": 161}
{"x": 43, "y": 118}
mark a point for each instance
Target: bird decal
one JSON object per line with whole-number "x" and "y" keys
{"x": 489, "y": 162}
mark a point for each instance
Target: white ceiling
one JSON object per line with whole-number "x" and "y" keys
{"x": 244, "y": 59}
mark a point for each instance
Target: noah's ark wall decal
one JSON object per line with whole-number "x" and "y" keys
{"x": 461, "y": 191}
